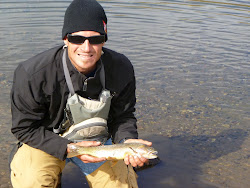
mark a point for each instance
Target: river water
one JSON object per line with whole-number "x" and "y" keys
{"x": 191, "y": 60}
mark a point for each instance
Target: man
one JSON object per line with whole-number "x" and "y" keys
{"x": 44, "y": 90}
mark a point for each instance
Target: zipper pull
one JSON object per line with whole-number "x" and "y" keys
{"x": 85, "y": 83}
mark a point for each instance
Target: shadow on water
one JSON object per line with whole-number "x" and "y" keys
{"x": 181, "y": 160}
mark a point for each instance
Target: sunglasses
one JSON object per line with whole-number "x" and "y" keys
{"x": 78, "y": 39}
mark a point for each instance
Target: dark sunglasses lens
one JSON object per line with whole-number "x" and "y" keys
{"x": 76, "y": 39}
{"x": 92, "y": 40}
{"x": 96, "y": 39}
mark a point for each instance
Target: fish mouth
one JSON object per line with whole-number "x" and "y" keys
{"x": 152, "y": 155}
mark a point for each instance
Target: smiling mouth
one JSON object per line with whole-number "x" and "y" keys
{"x": 85, "y": 55}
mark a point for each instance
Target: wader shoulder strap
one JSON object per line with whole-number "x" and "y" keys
{"x": 67, "y": 75}
{"x": 58, "y": 129}
{"x": 102, "y": 75}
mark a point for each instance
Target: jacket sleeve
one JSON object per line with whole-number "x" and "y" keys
{"x": 122, "y": 119}
{"x": 28, "y": 112}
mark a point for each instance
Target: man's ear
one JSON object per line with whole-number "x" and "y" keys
{"x": 65, "y": 40}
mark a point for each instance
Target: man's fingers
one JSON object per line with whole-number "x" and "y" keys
{"x": 126, "y": 160}
{"x": 138, "y": 161}
{"x": 85, "y": 144}
{"x": 88, "y": 143}
{"x": 132, "y": 161}
{"x": 139, "y": 141}
{"x": 135, "y": 160}
{"x": 91, "y": 159}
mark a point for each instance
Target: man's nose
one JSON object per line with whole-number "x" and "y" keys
{"x": 86, "y": 45}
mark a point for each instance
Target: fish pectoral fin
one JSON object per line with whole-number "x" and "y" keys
{"x": 132, "y": 149}
{"x": 135, "y": 152}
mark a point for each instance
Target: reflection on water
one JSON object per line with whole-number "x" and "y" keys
{"x": 191, "y": 59}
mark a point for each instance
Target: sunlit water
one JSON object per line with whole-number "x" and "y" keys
{"x": 191, "y": 60}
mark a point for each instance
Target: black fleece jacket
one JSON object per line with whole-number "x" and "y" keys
{"x": 39, "y": 95}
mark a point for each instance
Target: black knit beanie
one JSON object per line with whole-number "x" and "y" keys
{"x": 85, "y": 15}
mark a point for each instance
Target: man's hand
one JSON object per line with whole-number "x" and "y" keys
{"x": 89, "y": 158}
{"x": 134, "y": 160}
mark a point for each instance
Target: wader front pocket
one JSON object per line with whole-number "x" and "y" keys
{"x": 82, "y": 109}
{"x": 91, "y": 129}
{"x": 88, "y": 118}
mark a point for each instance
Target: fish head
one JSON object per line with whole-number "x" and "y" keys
{"x": 147, "y": 152}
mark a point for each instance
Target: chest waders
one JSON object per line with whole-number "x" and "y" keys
{"x": 85, "y": 119}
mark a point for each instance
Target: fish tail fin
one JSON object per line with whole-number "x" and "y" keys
{"x": 72, "y": 154}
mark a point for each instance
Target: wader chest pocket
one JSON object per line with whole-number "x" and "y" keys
{"x": 89, "y": 119}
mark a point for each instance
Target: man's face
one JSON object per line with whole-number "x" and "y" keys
{"x": 84, "y": 56}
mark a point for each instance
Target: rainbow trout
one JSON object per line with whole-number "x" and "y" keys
{"x": 114, "y": 152}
